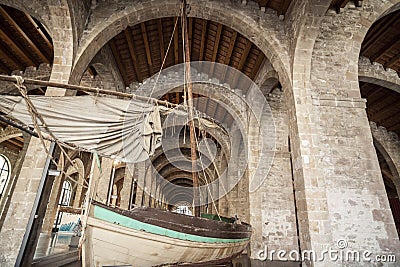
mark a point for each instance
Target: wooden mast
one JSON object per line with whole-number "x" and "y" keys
{"x": 192, "y": 133}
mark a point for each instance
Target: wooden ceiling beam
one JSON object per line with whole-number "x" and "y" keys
{"x": 377, "y": 33}
{"x": 231, "y": 47}
{"x": 216, "y": 48}
{"x": 45, "y": 39}
{"x": 284, "y": 6}
{"x": 4, "y": 69}
{"x": 190, "y": 33}
{"x": 203, "y": 40}
{"x": 161, "y": 39}
{"x": 14, "y": 65}
{"x": 177, "y": 97}
{"x": 32, "y": 45}
{"x": 15, "y": 142}
{"x": 242, "y": 61}
{"x": 147, "y": 47}
{"x": 386, "y": 48}
{"x": 16, "y": 49}
{"x": 131, "y": 46}
{"x": 229, "y": 54}
{"x": 392, "y": 62}
{"x": 176, "y": 41}
{"x": 119, "y": 63}
{"x": 260, "y": 60}
{"x": 246, "y": 52}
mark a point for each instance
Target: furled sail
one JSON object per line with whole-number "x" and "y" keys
{"x": 126, "y": 129}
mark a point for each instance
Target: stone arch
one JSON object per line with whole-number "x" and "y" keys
{"x": 9, "y": 133}
{"x": 342, "y": 35}
{"x": 388, "y": 145}
{"x": 55, "y": 16}
{"x": 253, "y": 25}
{"x": 376, "y": 74}
{"x": 79, "y": 169}
{"x": 38, "y": 9}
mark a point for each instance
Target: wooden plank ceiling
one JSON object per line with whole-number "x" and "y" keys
{"x": 382, "y": 45}
{"x": 139, "y": 50}
{"x": 24, "y": 41}
{"x": 382, "y": 42}
{"x": 382, "y": 106}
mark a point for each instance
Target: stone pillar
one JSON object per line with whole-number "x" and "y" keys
{"x": 6, "y": 199}
{"x": 22, "y": 201}
{"x": 126, "y": 190}
{"x": 141, "y": 169}
{"x": 101, "y": 181}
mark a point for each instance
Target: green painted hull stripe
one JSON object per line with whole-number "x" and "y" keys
{"x": 113, "y": 217}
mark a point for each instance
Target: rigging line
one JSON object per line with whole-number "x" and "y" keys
{"x": 205, "y": 177}
{"x": 35, "y": 115}
{"x": 165, "y": 57}
{"x": 57, "y": 85}
{"x": 218, "y": 174}
{"x": 208, "y": 187}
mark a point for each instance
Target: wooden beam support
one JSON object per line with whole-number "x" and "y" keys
{"x": 376, "y": 34}
{"x": 203, "y": 40}
{"x": 45, "y": 39}
{"x": 386, "y": 48}
{"x": 229, "y": 54}
{"x": 4, "y": 69}
{"x": 215, "y": 48}
{"x": 246, "y": 52}
{"x": 15, "y": 48}
{"x": 131, "y": 46}
{"x": 260, "y": 60}
{"x": 392, "y": 62}
{"x": 147, "y": 47}
{"x": 13, "y": 64}
{"x": 161, "y": 39}
{"x": 190, "y": 32}
{"x": 176, "y": 41}
{"x": 242, "y": 61}
{"x": 32, "y": 45}
{"x": 121, "y": 67}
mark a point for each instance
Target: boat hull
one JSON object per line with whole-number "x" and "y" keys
{"x": 114, "y": 245}
{"x": 122, "y": 241}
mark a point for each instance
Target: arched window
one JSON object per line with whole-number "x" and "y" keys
{"x": 66, "y": 191}
{"x": 4, "y": 174}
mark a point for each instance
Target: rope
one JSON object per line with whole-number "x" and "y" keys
{"x": 35, "y": 115}
{"x": 218, "y": 174}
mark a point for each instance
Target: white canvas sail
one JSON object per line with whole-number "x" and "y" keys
{"x": 127, "y": 129}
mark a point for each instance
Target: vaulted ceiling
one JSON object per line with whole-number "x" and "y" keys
{"x": 382, "y": 42}
{"x": 24, "y": 42}
{"x": 140, "y": 50}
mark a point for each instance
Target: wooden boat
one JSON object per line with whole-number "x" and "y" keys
{"x": 151, "y": 237}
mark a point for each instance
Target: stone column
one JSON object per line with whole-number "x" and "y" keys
{"x": 22, "y": 201}
{"x": 101, "y": 181}
{"x": 141, "y": 169}
{"x": 126, "y": 189}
